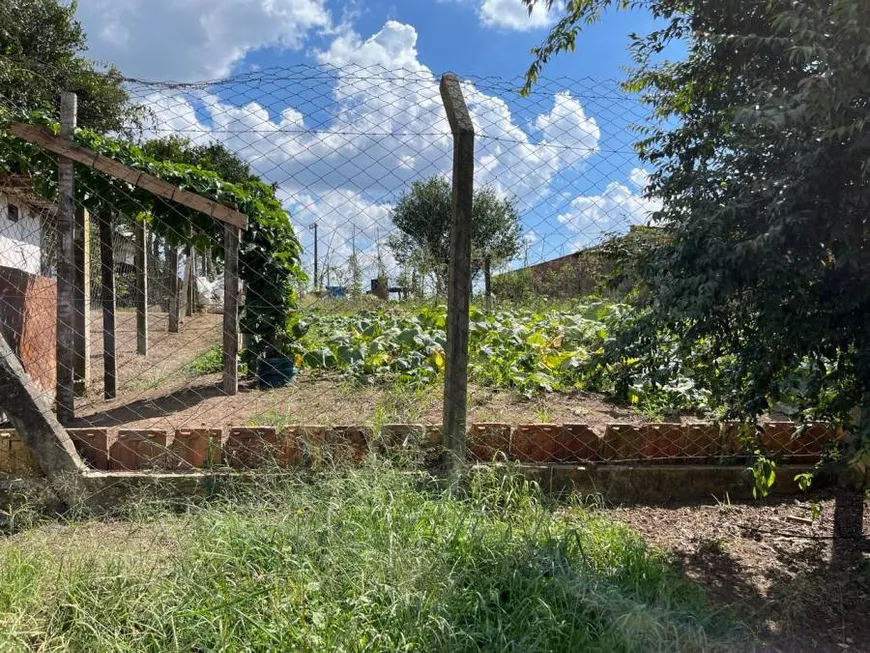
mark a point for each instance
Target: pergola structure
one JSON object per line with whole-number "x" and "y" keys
{"x": 70, "y": 332}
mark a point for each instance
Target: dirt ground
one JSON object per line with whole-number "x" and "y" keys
{"x": 770, "y": 565}
{"x": 157, "y": 392}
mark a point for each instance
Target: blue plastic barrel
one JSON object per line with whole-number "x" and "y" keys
{"x": 275, "y": 371}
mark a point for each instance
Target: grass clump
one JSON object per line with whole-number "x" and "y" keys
{"x": 374, "y": 559}
{"x": 208, "y": 362}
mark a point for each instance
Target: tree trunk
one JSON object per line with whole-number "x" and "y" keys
{"x": 848, "y": 526}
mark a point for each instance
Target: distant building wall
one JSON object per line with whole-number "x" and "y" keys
{"x": 21, "y": 238}
{"x": 553, "y": 265}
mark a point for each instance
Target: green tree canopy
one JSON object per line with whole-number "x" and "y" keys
{"x": 40, "y": 46}
{"x": 762, "y": 153}
{"x": 211, "y": 156}
{"x": 423, "y": 217}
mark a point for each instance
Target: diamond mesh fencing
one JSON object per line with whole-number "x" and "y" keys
{"x": 352, "y": 357}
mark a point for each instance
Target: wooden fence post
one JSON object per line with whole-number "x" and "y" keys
{"x": 107, "y": 296}
{"x": 174, "y": 303}
{"x": 487, "y": 281}
{"x": 231, "y": 309}
{"x": 65, "y": 351}
{"x": 459, "y": 280}
{"x": 82, "y": 306}
{"x": 140, "y": 245}
{"x": 184, "y": 302}
{"x": 191, "y": 282}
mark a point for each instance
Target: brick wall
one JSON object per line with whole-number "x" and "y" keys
{"x": 27, "y": 320}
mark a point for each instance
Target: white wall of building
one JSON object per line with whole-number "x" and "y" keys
{"x": 20, "y": 242}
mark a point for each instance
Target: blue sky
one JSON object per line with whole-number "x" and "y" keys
{"x": 344, "y": 141}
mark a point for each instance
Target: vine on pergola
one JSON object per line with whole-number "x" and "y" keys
{"x": 270, "y": 253}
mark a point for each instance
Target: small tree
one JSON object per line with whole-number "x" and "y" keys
{"x": 211, "y": 156}
{"x": 354, "y": 275}
{"x": 423, "y": 217}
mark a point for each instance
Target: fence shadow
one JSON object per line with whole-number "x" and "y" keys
{"x": 795, "y": 595}
{"x": 154, "y": 407}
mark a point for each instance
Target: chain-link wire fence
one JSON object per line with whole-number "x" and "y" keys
{"x": 360, "y": 160}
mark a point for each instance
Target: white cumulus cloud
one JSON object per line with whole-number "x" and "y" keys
{"x": 344, "y": 144}
{"x": 194, "y": 39}
{"x": 513, "y": 14}
{"x": 639, "y": 177}
{"x": 614, "y": 209}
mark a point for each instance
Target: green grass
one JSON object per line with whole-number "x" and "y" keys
{"x": 375, "y": 560}
{"x": 208, "y": 362}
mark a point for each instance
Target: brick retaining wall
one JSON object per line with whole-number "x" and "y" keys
{"x": 542, "y": 444}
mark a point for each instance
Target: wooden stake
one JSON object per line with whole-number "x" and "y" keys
{"x": 82, "y": 307}
{"x": 26, "y": 407}
{"x": 65, "y": 350}
{"x": 459, "y": 282}
{"x": 107, "y": 293}
{"x": 140, "y": 237}
{"x": 487, "y": 281}
{"x": 185, "y": 285}
{"x": 173, "y": 288}
{"x": 231, "y": 309}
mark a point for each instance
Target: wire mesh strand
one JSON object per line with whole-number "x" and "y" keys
{"x": 342, "y": 147}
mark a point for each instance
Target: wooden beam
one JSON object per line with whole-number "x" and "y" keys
{"x": 26, "y": 407}
{"x": 65, "y": 349}
{"x": 140, "y": 245}
{"x": 459, "y": 283}
{"x": 487, "y": 281}
{"x": 231, "y": 309}
{"x": 60, "y": 145}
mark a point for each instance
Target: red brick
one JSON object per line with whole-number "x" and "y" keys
{"x": 196, "y": 448}
{"x": 22, "y": 462}
{"x": 311, "y": 440}
{"x": 251, "y": 447}
{"x": 662, "y": 442}
{"x": 794, "y": 443}
{"x": 488, "y": 441}
{"x": 403, "y": 435}
{"x": 738, "y": 437}
{"x": 348, "y": 443}
{"x": 5, "y": 451}
{"x": 433, "y": 435}
{"x": 92, "y": 445}
{"x": 138, "y": 449}
{"x": 28, "y": 308}
{"x": 289, "y": 452}
{"x": 622, "y": 443}
{"x": 704, "y": 442}
{"x": 535, "y": 442}
{"x": 578, "y": 443}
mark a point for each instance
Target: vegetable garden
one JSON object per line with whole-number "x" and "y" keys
{"x": 553, "y": 347}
